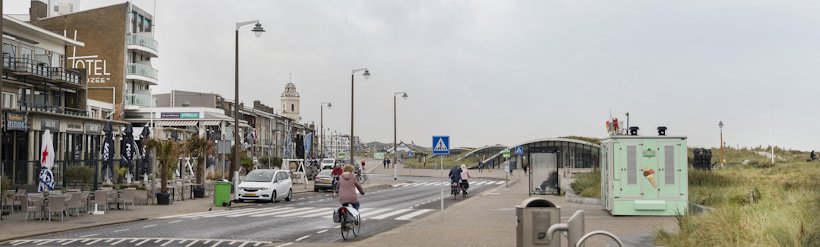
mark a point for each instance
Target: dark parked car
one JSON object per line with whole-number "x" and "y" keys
{"x": 323, "y": 181}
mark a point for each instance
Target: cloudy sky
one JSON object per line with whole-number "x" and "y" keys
{"x": 487, "y": 72}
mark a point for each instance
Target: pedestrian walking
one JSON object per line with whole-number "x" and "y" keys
{"x": 385, "y": 162}
{"x": 480, "y": 166}
{"x": 525, "y": 165}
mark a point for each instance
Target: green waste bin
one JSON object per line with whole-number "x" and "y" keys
{"x": 222, "y": 193}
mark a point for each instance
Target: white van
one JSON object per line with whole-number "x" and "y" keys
{"x": 327, "y": 163}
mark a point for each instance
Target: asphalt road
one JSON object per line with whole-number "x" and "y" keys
{"x": 306, "y": 219}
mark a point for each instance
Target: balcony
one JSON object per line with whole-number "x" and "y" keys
{"x": 144, "y": 43}
{"x": 29, "y": 67}
{"x": 39, "y": 107}
{"x": 135, "y": 71}
{"x": 142, "y": 100}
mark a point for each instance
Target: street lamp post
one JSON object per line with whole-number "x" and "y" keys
{"x": 366, "y": 75}
{"x": 395, "y": 149}
{"x": 627, "y": 121}
{"x": 720, "y": 125}
{"x": 322, "y": 126}
{"x": 257, "y": 30}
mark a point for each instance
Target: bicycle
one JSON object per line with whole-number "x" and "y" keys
{"x": 362, "y": 177}
{"x": 335, "y": 187}
{"x": 455, "y": 189}
{"x": 350, "y": 222}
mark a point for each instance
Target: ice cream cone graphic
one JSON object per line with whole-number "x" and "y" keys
{"x": 650, "y": 175}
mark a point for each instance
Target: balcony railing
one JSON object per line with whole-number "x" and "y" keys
{"x": 26, "y": 65}
{"x": 39, "y": 107}
{"x": 141, "y": 70}
{"x": 143, "y": 40}
{"x": 138, "y": 100}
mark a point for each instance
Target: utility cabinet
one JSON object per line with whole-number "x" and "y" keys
{"x": 644, "y": 175}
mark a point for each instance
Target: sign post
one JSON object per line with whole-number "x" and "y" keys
{"x": 441, "y": 146}
{"x": 506, "y": 154}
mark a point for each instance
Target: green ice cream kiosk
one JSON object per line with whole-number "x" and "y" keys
{"x": 644, "y": 175}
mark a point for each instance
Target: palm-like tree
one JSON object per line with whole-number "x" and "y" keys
{"x": 167, "y": 153}
{"x": 199, "y": 148}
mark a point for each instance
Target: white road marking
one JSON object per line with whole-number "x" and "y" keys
{"x": 321, "y": 231}
{"x": 169, "y": 241}
{"x": 182, "y": 215}
{"x": 122, "y": 230}
{"x": 176, "y": 221}
{"x": 243, "y": 244}
{"x": 192, "y": 243}
{"x": 68, "y": 242}
{"x": 92, "y": 242}
{"x": 283, "y": 245}
{"x": 413, "y": 214}
{"x": 89, "y": 235}
{"x": 400, "y": 211}
{"x": 302, "y": 238}
{"x": 267, "y": 210}
{"x": 19, "y": 242}
{"x": 478, "y": 183}
{"x": 45, "y": 242}
{"x": 109, "y": 240}
{"x": 281, "y": 212}
{"x": 149, "y": 226}
{"x": 339, "y": 226}
{"x": 140, "y": 243}
{"x": 232, "y": 212}
{"x": 307, "y": 212}
{"x": 216, "y": 244}
{"x": 119, "y": 241}
{"x": 374, "y": 212}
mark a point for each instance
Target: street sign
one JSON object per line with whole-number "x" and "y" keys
{"x": 519, "y": 150}
{"x": 410, "y": 153}
{"x": 506, "y": 153}
{"x": 341, "y": 155}
{"x": 378, "y": 156}
{"x": 441, "y": 144}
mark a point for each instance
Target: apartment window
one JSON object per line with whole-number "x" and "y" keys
{"x": 9, "y": 100}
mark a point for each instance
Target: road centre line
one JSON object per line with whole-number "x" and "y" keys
{"x": 321, "y": 231}
{"x": 302, "y": 238}
{"x": 176, "y": 221}
{"x": 149, "y": 226}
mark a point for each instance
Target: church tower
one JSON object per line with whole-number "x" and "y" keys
{"x": 290, "y": 102}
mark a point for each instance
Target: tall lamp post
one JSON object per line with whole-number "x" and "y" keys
{"x": 395, "y": 149}
{"x": 322, "y": 126}
{"x": 258, "y": 30}
{"x": 366, "y": 75}
{"x": 720, "y": 125}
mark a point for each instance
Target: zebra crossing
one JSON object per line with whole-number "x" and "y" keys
{"x": 304, "y": 212}
{"x": 479, "y": 183}
{"x": 134, "y": 242}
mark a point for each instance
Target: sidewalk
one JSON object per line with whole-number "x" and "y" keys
{"x": 488, "y": 219}
{"x": 15, "y": 226}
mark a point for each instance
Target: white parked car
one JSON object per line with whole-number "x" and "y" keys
{"x": 266, "y": 185}
{"x": 327, "y": 164}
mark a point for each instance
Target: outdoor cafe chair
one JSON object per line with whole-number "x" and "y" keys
{"x": 101, "y": 200}
{"x": 75, "y": 203}
{"x": 126, "y": 196}
{"x": 112, "y": 198}
{"x": 84, "y": 201}
{"x": 56, "y": 204}
{"x": 31, "y": 205}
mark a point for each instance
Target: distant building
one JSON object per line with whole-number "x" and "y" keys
{"x": 290, "y": 102}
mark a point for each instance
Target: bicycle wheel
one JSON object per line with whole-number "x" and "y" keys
{"x": 357, "y": 226}
{"x": 454, "y": 191}
{"x": 335, "y": 190}
{"x": 364, "y": 178}
{"x": 347, "y": 231}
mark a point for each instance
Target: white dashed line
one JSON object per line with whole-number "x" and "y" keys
{"x": 216, "y": 244}
{"x": 149, "y": 226}
{"x": 122, "y": 230}
{"x": 176, "y": 221}
{"x": 92, "y": 242}
{"x": 140, "y": 243}
{"x": 120, "y": 241}
{"x": 302, "y": 238}
{"x": 89, "y": 235}
{"x": 321, "y": 231}
{"x": 283, "y": 245}
{"x": 192, "y": 243}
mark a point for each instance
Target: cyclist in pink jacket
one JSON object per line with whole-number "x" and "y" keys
{"x": 464, "y": 176}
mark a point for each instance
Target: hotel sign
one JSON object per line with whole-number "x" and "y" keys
{"x": 16, "y": 121}
{"x": 74, "y": 127}
{"x": 93, "y": 128}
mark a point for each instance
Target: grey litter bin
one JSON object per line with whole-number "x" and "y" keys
{"x": 534, "y": 217}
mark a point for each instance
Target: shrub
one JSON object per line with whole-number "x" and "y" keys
{"x": 587, "y": 184}
{"x": 79, "y": 174}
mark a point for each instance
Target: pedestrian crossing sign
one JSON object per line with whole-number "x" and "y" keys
{"x": 441, "y": 144}
{"x": 519, "y": 150}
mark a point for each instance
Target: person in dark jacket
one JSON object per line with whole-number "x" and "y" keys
{"x": 551, "y": 182}
{"x": 455, "y": 175}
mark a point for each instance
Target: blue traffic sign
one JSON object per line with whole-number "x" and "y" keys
{"x": 441, "y": 144}
{"x": 519, "y": 150}
{"x": 410, "y": 153}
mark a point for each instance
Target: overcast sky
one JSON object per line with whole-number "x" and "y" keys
{"x": 487, "y": 72}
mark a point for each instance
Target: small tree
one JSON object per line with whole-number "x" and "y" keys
{"x": 198, "y": 148}
{"x": 167, "y": 153}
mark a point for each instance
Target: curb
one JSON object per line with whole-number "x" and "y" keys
{"x": 76, "y": 228}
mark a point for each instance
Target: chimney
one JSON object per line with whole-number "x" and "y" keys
{"x": 37, "y": 10}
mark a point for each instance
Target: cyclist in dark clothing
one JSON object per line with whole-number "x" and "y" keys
{"x": 455, "y": 175}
